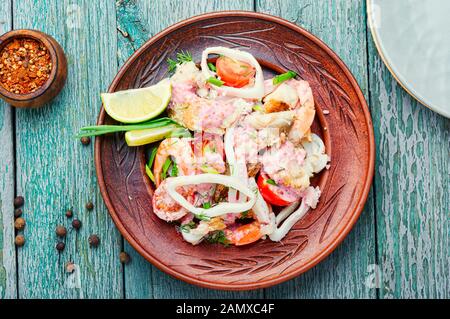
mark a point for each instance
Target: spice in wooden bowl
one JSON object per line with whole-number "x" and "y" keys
{"x": 25, "y": 65}
{"x": 33, "y": 68}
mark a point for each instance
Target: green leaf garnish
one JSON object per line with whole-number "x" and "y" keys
{"x": 271, "y": 182}
{"x": 202, "y": 217}
{"x": 172, "y": 65}
{"x": 212, "y": 67}
{"x": 186, "y": 228}
{"x": 182, "y": 57}
{"x": 215, "y": 81}
{"x": 284, "y": 77}
{"x": 218, "y": 237}
{"x": 207, "y": 205}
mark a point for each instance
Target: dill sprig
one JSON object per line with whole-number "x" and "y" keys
{"x": 218, "y": 237}
{"x": 181, "y": 58}
{"x": 186, "y": 228}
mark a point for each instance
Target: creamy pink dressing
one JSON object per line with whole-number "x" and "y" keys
{"x": 276, "y": 159}
{"x": 182, "y": 92}
{"x": 213, "y": 112}
{"x": 246, "y": 144}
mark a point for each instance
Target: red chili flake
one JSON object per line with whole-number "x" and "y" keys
{"x": 25, "y": 65}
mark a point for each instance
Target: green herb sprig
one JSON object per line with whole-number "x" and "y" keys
{"x": 181, "y": 58}
{"x": 186, "y": 228}
{"x": 218, "y": 237}
{"x": 271, "y": 182}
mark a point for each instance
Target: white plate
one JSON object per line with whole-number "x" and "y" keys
{"x": 413, "y": 39}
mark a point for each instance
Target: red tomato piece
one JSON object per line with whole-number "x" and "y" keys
{"x": 234, "y": 73}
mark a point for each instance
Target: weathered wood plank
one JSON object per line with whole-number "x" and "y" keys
{"x": 54, "y": 171}
{"x": 412, "y": 182}
{"x": 7, "y": 249}
{"x": 340, "y": 24}
{"x": 138, "y": 21}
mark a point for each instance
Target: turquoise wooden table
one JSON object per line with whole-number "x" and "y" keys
{"x": 398, "y": 249}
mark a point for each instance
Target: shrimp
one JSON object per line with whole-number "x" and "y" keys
{"x": 180, "y": 150}
{"x": 245, "y": 234}
{"x": 165, "y": 207}
{"x": 304, "y": 115}
{"x": 263, "y": 224}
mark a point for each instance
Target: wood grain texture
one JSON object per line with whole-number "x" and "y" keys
{"x": 54, "y": 171}
{"x": 7, "y": 248}
{"x": 138, "y": 22}
{"x": 412, "y": 183}
{"x": 341, "y": 25}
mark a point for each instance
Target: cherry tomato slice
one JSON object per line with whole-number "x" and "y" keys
{"x": 269, "y": 192}
{"x": 234, "y": 73}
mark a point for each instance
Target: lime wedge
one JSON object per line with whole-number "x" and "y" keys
{"x": 138, "y": 105}
{"x": 147, "y": 136}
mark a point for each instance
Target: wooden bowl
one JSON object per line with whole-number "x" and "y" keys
{"x": 57, "y": 77}
{"x": 347, "y": 132}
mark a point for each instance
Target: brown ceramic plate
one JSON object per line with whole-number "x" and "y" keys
{"x": 347, "y": 131}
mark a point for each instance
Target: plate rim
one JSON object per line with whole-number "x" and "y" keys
{"x": 344, "y": 230}
{"x": 391, "y": 67}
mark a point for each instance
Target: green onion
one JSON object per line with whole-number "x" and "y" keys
{"x": 149, "y": 173}
{"x": 151, "y": 158}
{"x": 202, "y": 217}
{"x": 107, "y": 129}
{"x": 258, "y": 108}
{"x": 215, "y": 81}
{"x": 212, "y": 67}
{"x": 271, "y": 182}
{"x": 174, "y": 171}
{"x": 209, "y": 170}
{"x": 165, "y": 168}
{"x": 207, "y": 205}
{"x": 284, "y": 77}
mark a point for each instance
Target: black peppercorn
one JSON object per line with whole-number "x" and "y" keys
{"x": 19, "y": 240}
{"x": 17, "y": 212}
{"x": 76, "y": 223}
{"x": 124, "y": 258}
{"x": 60, "y": 246}
{"x": 86, "y": 140}
{"x": 61, "y": 231}
{"x": 18, "y": 201}
{"x": 89, "y": 206}
{"x": 19, "y": 224}
{"x": 69, "y": 213}
{"x": 94, "y": 241}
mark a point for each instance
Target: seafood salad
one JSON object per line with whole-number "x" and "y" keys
{"x": 233, "y": 157}
{"x": 250, "y": 154}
